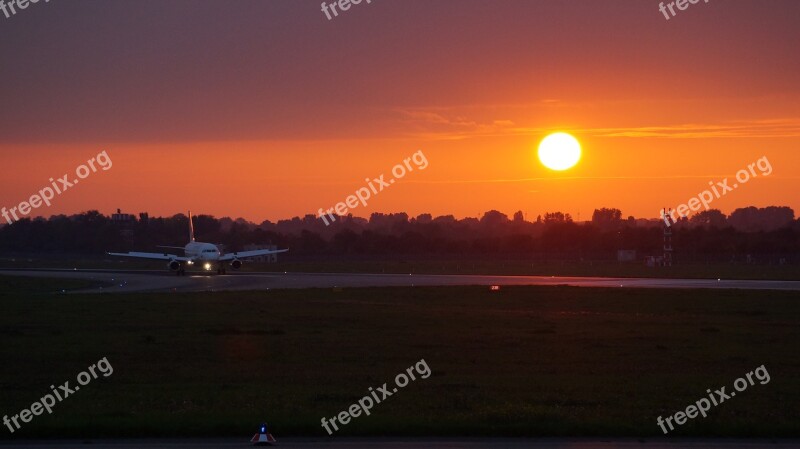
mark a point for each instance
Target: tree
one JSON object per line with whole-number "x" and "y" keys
{"x": 713, "y": 218}
{"x": 557, "y": 217}
{"x": 424, "y": 218}
{"x": 494, "y": 218}
{"x": 751, "y": 219}
{"x": 607, "y": 218}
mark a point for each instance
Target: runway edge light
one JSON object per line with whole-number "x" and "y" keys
{"x": 263, "y": 437}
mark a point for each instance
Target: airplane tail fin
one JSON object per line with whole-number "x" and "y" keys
{"x": 191, "y": 228}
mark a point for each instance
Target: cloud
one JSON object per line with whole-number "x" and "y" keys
{"x": 788, "y": 127}
{"x": 437, "y": 124}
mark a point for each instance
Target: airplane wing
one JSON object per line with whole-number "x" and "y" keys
{"x": 246, "y": 254}
{"x": 153, "y": 256}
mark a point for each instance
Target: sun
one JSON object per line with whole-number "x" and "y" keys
{"x": 559, "y": 151}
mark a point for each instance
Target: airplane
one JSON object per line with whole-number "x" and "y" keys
{"x": 206, "y": 254}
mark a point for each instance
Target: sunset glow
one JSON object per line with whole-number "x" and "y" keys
{"x": 559, "y": 151}
{"x": 305, "y": 124}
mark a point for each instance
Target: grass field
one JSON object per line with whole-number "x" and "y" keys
{"x": 525, "y": 361}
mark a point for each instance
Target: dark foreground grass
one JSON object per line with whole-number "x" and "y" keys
{"x": 526, "y": 361}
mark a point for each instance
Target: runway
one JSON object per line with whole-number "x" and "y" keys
{"x": 155, "y": 281}
{"x": 415, "y": 443}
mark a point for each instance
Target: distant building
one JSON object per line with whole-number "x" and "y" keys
{"x": 626, "y": 255}
{"x": 123, "y": 219}
{"x": 655, "y": 261}
{"x": 125, "y": 223}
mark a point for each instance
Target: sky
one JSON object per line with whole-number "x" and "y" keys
{"x": 265, "y": 109}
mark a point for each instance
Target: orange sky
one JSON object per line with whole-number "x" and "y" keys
{"x": 233, "y": 117}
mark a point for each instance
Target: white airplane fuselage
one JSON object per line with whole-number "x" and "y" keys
{"x": 205, "y": 252}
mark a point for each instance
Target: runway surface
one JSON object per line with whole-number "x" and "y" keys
{"x": 154, "y": 281}
{"x": 365, "y": 443}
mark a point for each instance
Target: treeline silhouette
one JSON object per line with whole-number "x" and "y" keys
{"x": 770, "y": 234}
